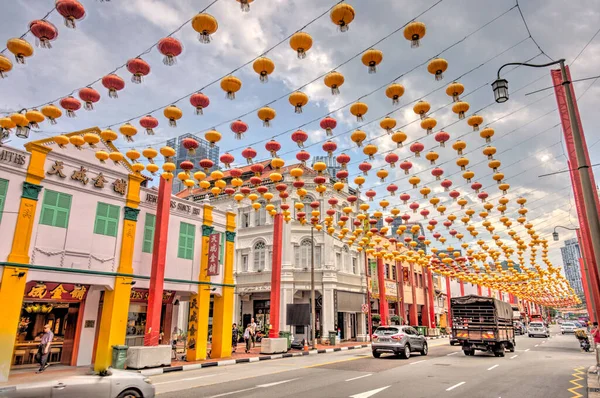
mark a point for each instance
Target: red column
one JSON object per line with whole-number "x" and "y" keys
{"x": 462, "y": 288}
{"x": 367, "y": 278}
{"x": 400, "y": 274}
{"x": 586, "y": 292}
{"x": 276, "y": 275}
{"x": 384, "y": 311}
{"x": 414, "y": 316}
{"x": 479, "y": 293}
{"x": 489, "y": 292}
{"x": 431, "y": 298}
{"x": 448, "y": 297}
{"x": 425, "y": 309}
{"x": 159, "y": 254}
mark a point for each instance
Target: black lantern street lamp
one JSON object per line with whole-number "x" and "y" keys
{"x": 500, "y": 87}
{"x": 555, "y": 234}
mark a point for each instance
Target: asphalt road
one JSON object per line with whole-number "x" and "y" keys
{"x": 540, "y": 367}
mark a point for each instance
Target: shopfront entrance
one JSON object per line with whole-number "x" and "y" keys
{"x": 59, "y": 305}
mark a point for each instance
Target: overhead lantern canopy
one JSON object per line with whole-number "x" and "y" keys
{"x": 437, "y": 67}
{"x": 342, "y": 15}
{"x": 138, "y": 68}
{"x": 301, "y": 42}
{"x": 113, "y": 83}
{"x": 394, "y": 91}
{"x": 71, "y": 10}
{"x": 44, "y": 32}
{"x": 264, "y": 67}
{"x": 454, "y": 90}
{"x": 372, "y": 58}
{"x": 170, "y": 47}
{"x": 414, "y": 32}
{"x": 298, "y": 99}
{"x": 231, "y": 85}
{"x": 205, "y": 25}
{"x": 20, "y": 48}
{"x": 359, "y": 109}
{"x": 334, "y": 81}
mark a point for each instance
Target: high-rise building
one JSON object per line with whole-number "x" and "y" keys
{"x": 570, "y": 256}
{"x": 204, "y": 151}
{"x": 332, "y": 165}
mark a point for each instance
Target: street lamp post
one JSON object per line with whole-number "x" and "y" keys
{"x": 500, "y": 87}
{"x": 313, "y": 304}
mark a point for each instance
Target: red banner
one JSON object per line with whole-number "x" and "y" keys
{"x": 214, "y": 242}
{"x": 56, "y": 291}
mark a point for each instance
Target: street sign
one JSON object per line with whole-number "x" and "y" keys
{"x": 214, "y": 241}
{"x": 365, "y": 308}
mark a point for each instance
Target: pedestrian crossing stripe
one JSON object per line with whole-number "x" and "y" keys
{"x": 577, "y": 377}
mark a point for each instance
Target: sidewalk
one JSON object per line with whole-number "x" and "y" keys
{"x": 54, "y": 372}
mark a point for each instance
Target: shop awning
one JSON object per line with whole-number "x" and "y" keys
{"x": 349, "y": 301}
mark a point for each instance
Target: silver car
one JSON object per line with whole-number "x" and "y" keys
{"x": 537, "y": 329}
{"x": 400, "y": 340}
{"x": 567, "y": 327}
{"x": 116, "y": 384}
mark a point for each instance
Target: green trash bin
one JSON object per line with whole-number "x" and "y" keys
{"x": 288, "y": 336}
{"x": 332, "y": 337}
{"x": 422, "y": 330}
{"x": 119, "y": 356}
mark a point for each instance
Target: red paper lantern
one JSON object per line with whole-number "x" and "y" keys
{"x": 44, "y": 32}
{"x": 352, "y": 199}
{"x": 365, "y": 167}
{"x": 330, "y": 212}
{"x": 170, "y": 47}
{"x": 437, "y": 235}
{"x": 257, "y": 169}
{"x": 227, "y": 159}
{"x": 191, "y": 145}
{"x": 71, "y": 10}
{"x": 476, "y": 186}
{"x": 442, "y": 137}
{"x": 446, "y": 184}
{"x": 113, "y": 83}
{"x": 414, "y": 206}
{"x": 149, "y": 123}
{"x": 392, "y": 158}
{"x": 70, "y": 104}
{"x": 138, "y": 68}
{"x": 343, "y": 159}
{"x": 262, "y": 190}
{"x": 201, "y": 101}
{"x": 447, "y": 224}
{"x": 433, "y": 222}
{"x": 405, "y": 217}
{"x": 186, "y": 165}
{"x": 483, "y": 196}
{"x": 206, "y": 164}
{"x": 281, "y": 187}
{"x": 90, "y": 96}
{"x": 342, "y": 175}
{"x": 405, "y": 198}
{"x": 329, "y": 147}
{"x": 370, "y": 194}
{"x": 229, "y": 191}
{"x": 238, "y": 127}
{"x": 245, "y": 191}
{"x": 320, "y": 180}
{"x": 299, "y": 137}
{"x": 328, "y": 124}
{"x": 333, "y": 202}
{"x": 235, "y": 173}
{"x": 273, "y": 146}
{"x": 417, "y": 148}
{"x": 254, "y": 180}
{"x": 424, "y": 213}
{"x": 298, "y": 184}
{"x": 249, "y": 154}
{"x": 392, "y": 188}
{"x": 454, "y": 194}
{"x": 303, "y": 157}
{"x": 437, "y": 173}
{"x": 406, "y": 166}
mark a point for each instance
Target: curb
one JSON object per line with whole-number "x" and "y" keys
{"x": 438, "y": 337}
{"x": 593, "y": 385}
{"x": 168, "y": 369}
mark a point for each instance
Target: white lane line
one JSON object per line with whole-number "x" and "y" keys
{"x": 186, "y": 379}
{"x": 454, "y": 353}
{"x": 360, "y": 377}
{"x": 537, "y": 345}
{"x": 422, "y": 360}
{"x": 368, "y": 394}
{"x": 527, "y": 349}
{"x": 493, "y": 367}
{"x": 456, "y": 385}
{"x": 233, "y": 392}
{"x": 275, "y": 383}
{"x": 514, "y": 356}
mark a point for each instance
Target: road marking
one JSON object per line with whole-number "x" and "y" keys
{"x": 233, "y": 392}
{"x": 493, "y": 367}
{"x": 456, "y": 385}
{"x": 332, "y": 362}
{"x": 514, "y": 356}
{"x": 275, "y": 383}
{"x": 527, "y": 349}
{"x": 537, "y": 345}
{"x": 186, "y": 379}
{"x": 368, "y": 394}
{"x": 454, "y": 353}
{"x": 360, "y": 377}
{"x": 422, "y": 360}
{"x": 577, "y": 377}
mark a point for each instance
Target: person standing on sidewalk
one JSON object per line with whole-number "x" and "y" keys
{"x": 253, "y": 332}
{"x": 44, "y": 348}
{"x": 234, "y": 337}
{"x": 596, "y": 334}
{"x": 247, "y": 337}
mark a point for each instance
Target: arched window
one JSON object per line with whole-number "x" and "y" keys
{"x": 260, "y": 216}
{"x": 260, "y": 255}
{"x": 308, "y": 199}
{"x": 303, "y": 254}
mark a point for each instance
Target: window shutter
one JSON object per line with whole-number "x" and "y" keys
{"x": 56, "y": 208}
{"x": 107, "y": 219}
{"x": 149, "y": 226}
{"x": 3, "y": 190}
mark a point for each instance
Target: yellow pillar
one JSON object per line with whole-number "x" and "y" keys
{"x": 14, "y": 278}
{"x": 223, "y": 308}
{"x": 113, "y": 323}
{"x": 200, "y": 302}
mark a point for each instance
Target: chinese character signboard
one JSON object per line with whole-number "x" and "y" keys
{"x": 55, "y": 291}
{"x": 214, "y": 241}
{"x": 141, "y": 296}
{"x": 374, "y": 282}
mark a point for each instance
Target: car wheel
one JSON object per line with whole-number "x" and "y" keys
{"x": 376, "y": 354}
{"x": 451, "y": 343}
{"x": 130, "y": 394}
{"x": 468, "y": 352}
{"x": 530, "y": 335}
{"x": 425, "y": 349}
{"x": 405, "y": 354}
{"x": 563, "y": 332}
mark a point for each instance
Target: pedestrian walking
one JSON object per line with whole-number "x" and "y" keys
{"x": 44, "y": 348}
{"x": 253, "y": 332}
{"x": 596, "y": 334}
{"x": 234, "y": 337}
{"x": 247, "y": 337}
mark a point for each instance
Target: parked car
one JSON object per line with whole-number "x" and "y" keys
{"x": 537, "y": 329}
{"x": 115, "y": 384}
{"x": 399, "y": 340}
{"x": 519, "y": 327}
{"x": 568, "y": 327}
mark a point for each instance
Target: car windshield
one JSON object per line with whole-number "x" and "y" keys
{"x": 386, "y": 331}
{"x": 536, "y": 324}
{"x": 568, "y": 324}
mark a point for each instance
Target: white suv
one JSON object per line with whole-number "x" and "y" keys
{"x": 567, "y": 327}
{"x": 537, "y": 329}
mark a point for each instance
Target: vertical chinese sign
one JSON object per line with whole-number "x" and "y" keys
{"x": 214, "y": 243}
{"x": 374, "y": 282}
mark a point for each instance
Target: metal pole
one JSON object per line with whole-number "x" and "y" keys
{"x": 589, "y": 198}
{"x": 312, "y": 289}
{"x": 588, "y": 279}
{"x": 369, "y": 321}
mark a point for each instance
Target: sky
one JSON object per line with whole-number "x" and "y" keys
{"x": 476, "y": 37}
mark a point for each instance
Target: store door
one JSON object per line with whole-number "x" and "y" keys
{"x": 353, "y": 329}
{"x": 70, "y": 327}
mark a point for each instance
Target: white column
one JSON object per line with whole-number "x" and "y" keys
{"x": 86, "y": 339}
{"x": 362, "y": 327}
{"x": 328, "y": 310}
{"x": 287, "y": 297}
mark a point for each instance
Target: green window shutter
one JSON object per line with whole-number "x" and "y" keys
{"x": 222, "y": 249}
{"x": 107, "y": 219}
{"x": 149, "y": 226}
{"x": 56, "y": 208}
{"x": 187, "y": 235}
{"x": 3, "y": 191}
